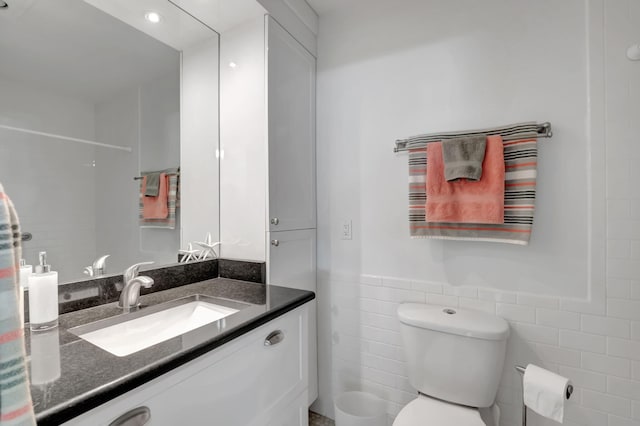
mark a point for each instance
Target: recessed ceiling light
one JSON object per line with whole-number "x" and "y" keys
{"x": 233, "y": 64}
{"x": 153, "y": 17}
{"x": 3, "y": 4}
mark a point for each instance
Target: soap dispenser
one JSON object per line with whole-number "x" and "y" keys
{"x": 43, "y": 296}
{"x": 25, "y": 273}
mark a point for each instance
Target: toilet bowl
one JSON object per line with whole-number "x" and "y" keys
{"x": 454, "y": 360}
{"x": 426, "y": 411}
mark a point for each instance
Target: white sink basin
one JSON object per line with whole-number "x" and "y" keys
{"x": 131, "y": 336}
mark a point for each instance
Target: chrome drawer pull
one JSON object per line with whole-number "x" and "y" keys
{"x": 275, "y": 221}
{"x": 274, "y": 338}
{"x": 137, "y": 417}
{"x": 275, "y": 243}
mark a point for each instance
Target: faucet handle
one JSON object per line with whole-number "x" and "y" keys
{"x": 101, "y": 262}
{"x": 132, "y": 271}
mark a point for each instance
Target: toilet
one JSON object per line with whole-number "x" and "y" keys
{"x": 454, "y": 360}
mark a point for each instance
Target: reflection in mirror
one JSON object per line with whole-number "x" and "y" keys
{"x": 45, "y": 357}
{"x": 92, "y": 95}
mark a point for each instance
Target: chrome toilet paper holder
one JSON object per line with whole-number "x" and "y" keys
{"x": 520, "y": 369}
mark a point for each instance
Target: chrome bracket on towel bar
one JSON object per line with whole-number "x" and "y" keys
{"x": 543, "y": 131}
{"x": 520, "y": 369}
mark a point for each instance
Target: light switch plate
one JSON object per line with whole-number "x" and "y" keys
{"x": 347, "y": 230}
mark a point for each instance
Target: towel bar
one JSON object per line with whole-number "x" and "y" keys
{"x": 168, "y": 174}
{"x": 520, "y": 369}
{"x": 512, "y": 132}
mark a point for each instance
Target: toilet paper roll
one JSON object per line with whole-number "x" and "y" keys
{"x": 545, "y": 392}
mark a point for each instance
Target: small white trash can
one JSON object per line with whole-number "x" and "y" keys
{"x": 360, "y": 409}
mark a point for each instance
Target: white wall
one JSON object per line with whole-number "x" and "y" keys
{"x": 243, "y": 167}
{"x": 50, "y": 181}
{"x": 393, "y": 69}
{"x": 199, "y": 140}
{"x": 406, "y": 70}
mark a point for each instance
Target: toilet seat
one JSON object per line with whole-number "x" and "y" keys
{"x": 425, "y": 411}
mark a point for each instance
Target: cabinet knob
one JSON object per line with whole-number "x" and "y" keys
{"x": 274, "y": 338}
{"x": 137, "y": 417}
{"x": 275, "y": 221}
{"x": 275, "y": 243}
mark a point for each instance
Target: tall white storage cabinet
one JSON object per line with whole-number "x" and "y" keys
{"x": 291, "y": 104}
{"x": 291, "y": 116}
{"x": 268, "y": 162}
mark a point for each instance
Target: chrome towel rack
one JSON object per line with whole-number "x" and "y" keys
{"x": 520, "y": 369}
{"x": 508, "y": 133}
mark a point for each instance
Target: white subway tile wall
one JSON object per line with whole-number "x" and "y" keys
{"x": 596, "y": 352}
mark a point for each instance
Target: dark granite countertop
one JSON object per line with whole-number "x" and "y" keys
{"x": 71, "y": 376}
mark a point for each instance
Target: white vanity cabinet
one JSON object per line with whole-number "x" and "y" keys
{"x": 243, "y": 383}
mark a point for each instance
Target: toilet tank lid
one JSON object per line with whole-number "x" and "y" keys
{"x": 463, "y": 322}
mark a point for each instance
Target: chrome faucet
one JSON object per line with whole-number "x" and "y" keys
{"x": 131, "y": 290}
{"x": 98, "y": 268}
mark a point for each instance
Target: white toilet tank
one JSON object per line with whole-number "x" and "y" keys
{"x": 453, "y": 354}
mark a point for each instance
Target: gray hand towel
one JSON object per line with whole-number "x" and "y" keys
{"x": 463, "y": 157}
{"x": 153, "y": 184}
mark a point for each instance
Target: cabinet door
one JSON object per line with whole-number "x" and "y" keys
{"x": 292, "y": 263}
{"x": 293, "y": 414}
{"x": 240, "y": 389}
{"x": 292, "y": 259}
{"x": 291, "y": 76}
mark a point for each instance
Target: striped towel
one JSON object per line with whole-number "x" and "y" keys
{"x": 520, "y": 158}
{"x": 173, "y": 199}
{"x": 15, "y": 399}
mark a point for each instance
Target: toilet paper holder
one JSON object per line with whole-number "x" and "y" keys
{"x": 520, "y": 369}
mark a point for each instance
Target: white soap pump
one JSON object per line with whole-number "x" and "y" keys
{"x": 43, "y": 296}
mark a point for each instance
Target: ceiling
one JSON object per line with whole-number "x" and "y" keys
{"x": 92, "y": 49}
{"x": 177, "y": 28}
{"x": 222, "y": 15}
{"x": 324, "y": 6}
{"x": 71, "y": 48}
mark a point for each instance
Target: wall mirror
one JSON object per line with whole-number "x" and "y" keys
{"x": 92, "y": 94}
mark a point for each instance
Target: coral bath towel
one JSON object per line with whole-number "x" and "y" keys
{"x": 465, "y": 201}
{"x": 156, "y": 207}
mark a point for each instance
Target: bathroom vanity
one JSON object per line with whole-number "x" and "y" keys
{"x": 248, "y": 368}
{"x": 223, "y": 95}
